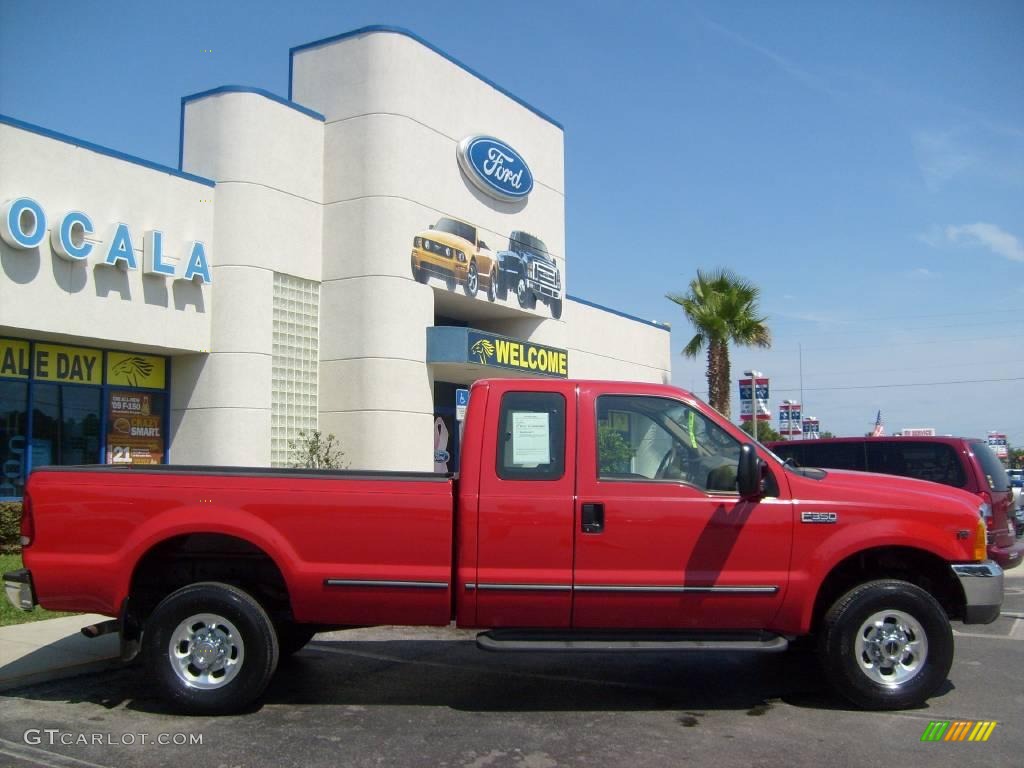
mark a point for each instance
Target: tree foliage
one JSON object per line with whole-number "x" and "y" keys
{"x": 765, "y": 432}
{"x": 723, "y": 309}
{"x": 613, "y": 449}
{"x": 314, "y": 450}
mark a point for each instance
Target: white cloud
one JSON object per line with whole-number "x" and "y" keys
{"x": 941, "y": 158}
{"x": 992, "y": 237}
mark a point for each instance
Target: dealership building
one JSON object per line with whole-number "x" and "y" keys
{"x": 348, "y": 259}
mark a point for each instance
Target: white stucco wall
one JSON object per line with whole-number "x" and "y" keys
{"x": 41, "y": 293}
{"x": 603, "y": 345}
{"x": 267, "y": 160}
{"x": 395, "y": 112}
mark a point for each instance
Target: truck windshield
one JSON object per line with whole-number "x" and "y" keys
{"x": 458, "y": 228}
{"x": 521, "y": 241}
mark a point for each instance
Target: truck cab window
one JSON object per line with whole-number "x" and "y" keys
{"x": 655, "y": 439}
{"x": 531, "y": 436}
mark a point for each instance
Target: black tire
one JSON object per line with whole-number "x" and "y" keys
{"x": 492, "y": 286}
{"x": 450, "y": 282}
{"x": 523, "y": 293}
{"x": 886, "y": 644}
{"x": 501, "y": 291}
{"x": 556, "y": 308}
{"x": 225, "y": 618}
{"x": 472, "y": 284}
{"x": 292, "y": 637}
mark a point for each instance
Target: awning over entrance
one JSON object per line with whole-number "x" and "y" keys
{"x": 475, "y": 353}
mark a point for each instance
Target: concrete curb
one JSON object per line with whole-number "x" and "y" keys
{"x": 40, "y": 651}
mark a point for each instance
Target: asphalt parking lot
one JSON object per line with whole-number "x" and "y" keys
{"x": 403, "y": 697}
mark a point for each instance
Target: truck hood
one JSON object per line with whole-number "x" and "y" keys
{"x": 888, "y": 493}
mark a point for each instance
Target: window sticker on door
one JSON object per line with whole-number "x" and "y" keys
{"x": 531, "y": 439}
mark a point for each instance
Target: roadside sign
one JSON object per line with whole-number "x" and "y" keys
{"x": 748, "y": 389}
{"x": 461, "y": 404}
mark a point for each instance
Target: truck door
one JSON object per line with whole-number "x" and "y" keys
{"x": 525, "y": 535}
{"x": 663, "y": 539}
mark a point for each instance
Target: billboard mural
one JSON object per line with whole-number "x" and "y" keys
{"x": 517, "y": 269}
{"x": 523, "y": 272}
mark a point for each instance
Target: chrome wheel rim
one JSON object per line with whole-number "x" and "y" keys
{"x": 206, "y": 651}
{"x": 891, "y": 648}
{"x": 472, "y": 279}
{"x": 521, "y": 291}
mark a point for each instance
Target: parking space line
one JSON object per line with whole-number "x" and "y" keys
{"x": 43, "y": 757}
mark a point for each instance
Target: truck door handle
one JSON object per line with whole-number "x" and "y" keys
{"x": 593, "y": 518}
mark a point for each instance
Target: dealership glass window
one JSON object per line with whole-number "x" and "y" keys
{"x": 295, "y": 363}
{"x": 13, "y": 437}
{"x": 65, "y": 424}
{"x": 58, "y": 401}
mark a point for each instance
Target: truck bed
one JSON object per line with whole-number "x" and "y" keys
{"x": 354, "y": 547}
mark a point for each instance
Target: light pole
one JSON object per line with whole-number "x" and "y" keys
{"x": 754, "y": 375}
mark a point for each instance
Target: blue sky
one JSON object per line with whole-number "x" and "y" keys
{"x": 863, "y": 164}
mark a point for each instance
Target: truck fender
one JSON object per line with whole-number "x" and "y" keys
{"x": 854, "y": 540}
{"x": 197, "y": 519}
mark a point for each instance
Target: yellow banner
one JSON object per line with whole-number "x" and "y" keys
{"x": 68, "y": 365}
{"x": 128, "y": 369}
{"x": 14, "y": 358}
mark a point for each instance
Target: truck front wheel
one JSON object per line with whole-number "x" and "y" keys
{"x": 523, "y": 293}
{"x": 886, "y": 644}
{"x": 211, "y": 648}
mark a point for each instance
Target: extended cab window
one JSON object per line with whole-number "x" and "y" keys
{"x": 651, "y": 438}
{"x": 531, "y": 436}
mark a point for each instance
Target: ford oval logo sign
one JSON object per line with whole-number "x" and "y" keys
{"x": 495, "y": 168}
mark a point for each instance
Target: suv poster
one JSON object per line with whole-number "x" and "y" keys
{"x": 134, "y": 432}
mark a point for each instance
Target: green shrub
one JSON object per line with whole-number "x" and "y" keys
{"x": 10, "y": 525}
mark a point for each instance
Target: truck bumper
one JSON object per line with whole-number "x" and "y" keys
{"x": 19, "y": 589}
{"x": 983, "y": 588}
{"x": 542, "y": 289}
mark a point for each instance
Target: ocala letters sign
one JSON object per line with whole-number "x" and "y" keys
{"x": 23, "y": 226}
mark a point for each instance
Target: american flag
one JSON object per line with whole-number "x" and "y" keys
{"x": 879, "y": 429}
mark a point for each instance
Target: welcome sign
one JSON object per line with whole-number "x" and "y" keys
{"x": 501, "y": 352}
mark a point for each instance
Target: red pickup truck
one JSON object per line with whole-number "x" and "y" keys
{"x": 587, "y": 516}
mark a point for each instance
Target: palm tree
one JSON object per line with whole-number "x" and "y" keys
{"x": 723, "y": 308}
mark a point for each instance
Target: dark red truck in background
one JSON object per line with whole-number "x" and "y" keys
{"x": 587, "y": 516}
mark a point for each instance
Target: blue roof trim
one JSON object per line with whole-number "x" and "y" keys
{"x": 238, "y": 89}
{"x": 413, "y": 36}
{"x": 6, "y": 120}
{"x": 259, "y": 92}
{"x": 653, "y": 323}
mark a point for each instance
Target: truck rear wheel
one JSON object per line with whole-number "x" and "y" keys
{"x": 211, "y": 648}
{"x": 886, "y": 644}
{"x": 556, "y": 308}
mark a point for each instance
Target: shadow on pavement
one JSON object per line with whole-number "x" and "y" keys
{"x": 459, "y": 676}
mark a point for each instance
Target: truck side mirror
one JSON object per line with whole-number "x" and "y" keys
{"x": 482, "y": 244}
{"x": 750, "y": 473}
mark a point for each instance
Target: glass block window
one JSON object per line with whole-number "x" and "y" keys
{"x": 295, "y": 363}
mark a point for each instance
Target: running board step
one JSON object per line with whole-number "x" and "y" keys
{"x": 603, "y": 642}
